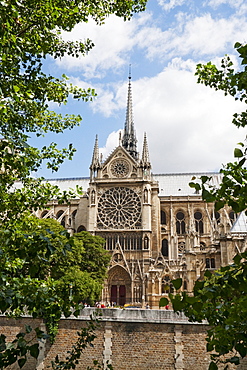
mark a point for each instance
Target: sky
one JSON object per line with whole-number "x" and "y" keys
{"x": 188, "y": 125}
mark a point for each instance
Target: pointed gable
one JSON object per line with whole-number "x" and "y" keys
{"x": 120, "y": 164}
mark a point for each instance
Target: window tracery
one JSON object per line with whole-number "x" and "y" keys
{"x": 119, "y": 208}
{"x": 181, "y": 247}
{"x": 198, "y": 222}
{"x": 180, "y": 223}
{"x": 120, "y": 168}
{"x": 166, "y": 285}
{"x": 127, "y": 241}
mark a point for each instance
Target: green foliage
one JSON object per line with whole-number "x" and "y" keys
{"x": 221, "y": 299}
{"x": 19, "y": 348}
{"x": 49, "y": 271}
{"x": 30, "y": 32}
{"x": 163, "y": 302}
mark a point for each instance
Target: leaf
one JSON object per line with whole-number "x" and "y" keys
{"x": 234, "y": 360}
{"x": 237, "y": 259}
{"x": 34, "y": 350}
{"x": 218, "y": 205}
{"x": 213, "y": 366}
{"x": 241, "y": 348}
{"x": 238, "y": 153}
{"x": 177, "y": 283}
{"x": 21, "y": 362}
{"x": 163, "y": 302}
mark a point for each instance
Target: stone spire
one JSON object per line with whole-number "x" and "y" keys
{"x": 95, "y": 164}
{"x": 129, "y": 141}
{"x": 145, "y": 161}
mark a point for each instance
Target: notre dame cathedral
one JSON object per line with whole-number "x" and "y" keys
{"x": 156, "y": 227}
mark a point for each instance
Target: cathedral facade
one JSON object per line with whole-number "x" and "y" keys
{"x": 156, "y": 227}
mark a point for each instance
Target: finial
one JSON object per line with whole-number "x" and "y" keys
{"x": 129, "y": 71}
{"x": 120, "y": 138}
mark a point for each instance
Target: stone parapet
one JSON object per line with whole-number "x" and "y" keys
{"x": 136, "y": 315}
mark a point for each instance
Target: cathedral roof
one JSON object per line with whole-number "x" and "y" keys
{"x": 240, "y": 225}
{"x": 176, "y": 184}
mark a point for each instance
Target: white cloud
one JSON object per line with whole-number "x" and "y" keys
{"x": 168, "y": 5}
{"x": 189, "y": 35}
{"x": 111, "y": 143}
{"x": 194, "y": 36}
{"x": 188, "y": 125}
{"x": 112, "y": 41}
{"x": 233, "y": 3}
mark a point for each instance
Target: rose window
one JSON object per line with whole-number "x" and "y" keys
{"x": 120, "y": 168}
{"x": 119, "y": 208}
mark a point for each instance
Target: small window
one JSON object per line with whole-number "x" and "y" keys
{"x": 180, "y": 223}
{"x": 166, "y": 285}
{"x": 217, "y": 217}
{"x": 43, "y": 214}
{"x": 81, "y": 228}
{"x": 181, "y": 247}
{"x": 232, "y": 216}
{"x": 164, "y": 248}
{"x": 210, "y": 263}
{"x": 198, "y": 222}
{"x": 185, "y": 285}
{"x": 162, "y": 218}
{"x": 62, "y": 221}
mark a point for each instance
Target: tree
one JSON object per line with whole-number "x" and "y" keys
{"x": 30, "y": 32}
{"x": 221, "y": 297}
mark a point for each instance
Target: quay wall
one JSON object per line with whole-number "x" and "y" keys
{"x": 135, "y": 339}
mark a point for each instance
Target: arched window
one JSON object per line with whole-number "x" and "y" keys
{"x": 59, "y": 214}
{"x": 164, "y": 248}
{"x": 166, "y": 285}
{"x": 232, "y": 216}
{"x": 43, "y": 214}
{"x": 81, "y": 228}
{"x": 198, "y": 222}
{"x": 210, "y": 263}
{"x": 162, "y": 218}
{"x": 217, "y": 217}
{"x": 180, "y": 223}
{"x": 146, "y": 242}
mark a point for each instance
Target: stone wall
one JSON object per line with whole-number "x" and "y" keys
{"x": 133, "y": 339}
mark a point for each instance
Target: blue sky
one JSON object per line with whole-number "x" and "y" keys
{"x": 188, "y": 125}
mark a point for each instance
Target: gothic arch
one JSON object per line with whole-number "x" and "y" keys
{"x": 119, "y": 286}
{"x": 43, "y": 214}
{"x": 180, "y": 222}
{"x": 81, "y": 228}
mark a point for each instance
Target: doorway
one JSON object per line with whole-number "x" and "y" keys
{"x": 118, "y": 295}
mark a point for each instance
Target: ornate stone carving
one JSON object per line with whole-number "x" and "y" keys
{"x": 120, "y": 168}
{"x": 119, "y": 208}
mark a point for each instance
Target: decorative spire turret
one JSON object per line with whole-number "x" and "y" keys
{"x": 145, "y": 161}
{"x": 129, "y": 141}
{"x": 95, "y": 164}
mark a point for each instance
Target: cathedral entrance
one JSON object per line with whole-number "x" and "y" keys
{"x": 119, "y": 284}
{"x": 118, "y": 295}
